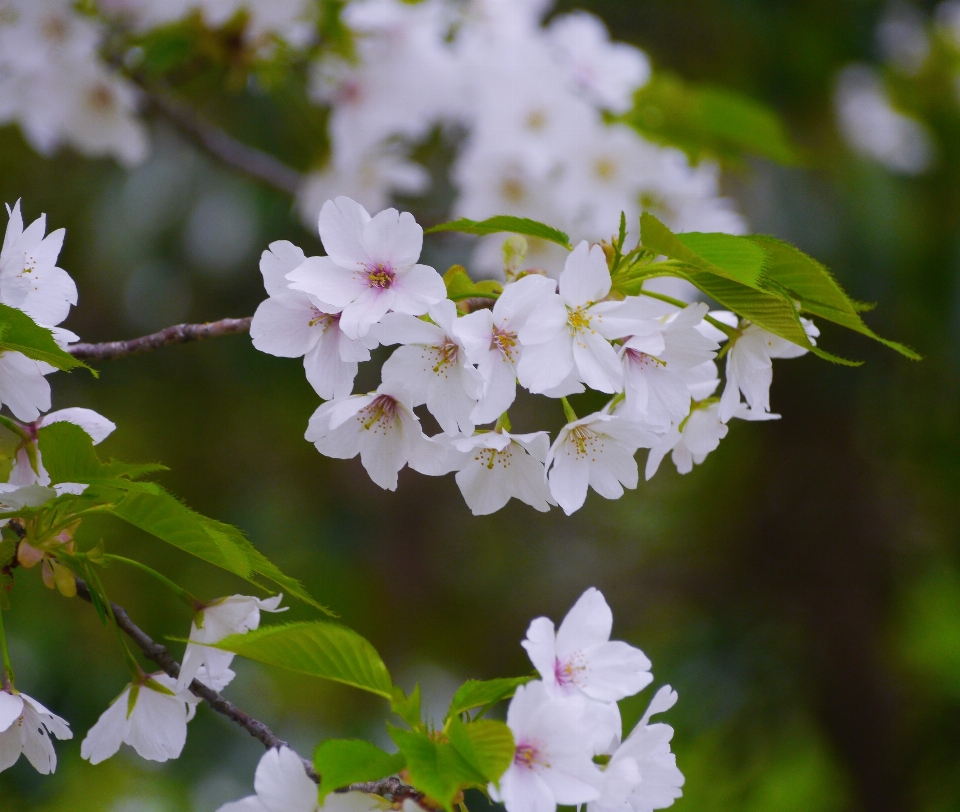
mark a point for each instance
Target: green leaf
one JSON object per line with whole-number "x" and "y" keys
{"x": 19, "y": 333}
{"x": 436, "y": 768}
{"x": 341, "y": 762}
{"x": 707, "y": 121}
{"x": 505, "y": 223}
{"x": 480, "y": 693}
{"x": 460, "y": 286}
{"x": 319, "y": 649}
{"x": 735, "y": 258}
{"x": 407, "y": 707}
{"x": 69, "y": 456}
{"x": 810, "y": 283}
{"x": 486, "y": 745}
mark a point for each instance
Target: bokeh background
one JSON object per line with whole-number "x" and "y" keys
{"x": 801, "y": 589}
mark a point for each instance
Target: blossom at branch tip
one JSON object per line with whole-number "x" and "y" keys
{"x": 595, "y": 452}
{"x": 433, "y": 365}
{"x": 282, "y": 785}
{"x": 553, "y": 759}
{"x": 491, "y": 340}
{"x": 750, "y": 366}
{"x": 580, "y": 657}
{"x": 642, "y": 774}
{"x": 29, "y": 277}
{"x": 382, "y": 428}
{"x": 149, "y": 715}
{"x": 370, "y": 268}
{"x": 497, "y": 466}
{"x": 292, "y": 323}
{"x": 26, "y": 727}
{"x": 237, "y": 614}
{"x": 657, "y": 363}
{"x": 572, "y": 329}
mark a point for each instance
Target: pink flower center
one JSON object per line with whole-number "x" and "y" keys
{"x": 504, "y": 342}
{"x": 380, "y": 276}
{"x": 324, "y": 319}
{"x": 567, "y": 671}
{"x": 380, "y": 415}
{"x": 446, "y": 355}
{"x": 529, "y": 755}
{"x": 643, "y": 360}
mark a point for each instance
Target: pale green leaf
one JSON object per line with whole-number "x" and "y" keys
{"x": 486, "y": 745}
{"x": 407, "y": 707}
{"x": 19, "y": 333}
{"x": 341, "y": 762}
{"x": 480, "y": 693}
{"x": 435, "y": 768}
{"x": 504, "y": 223}
{"x": 319, "y": 649}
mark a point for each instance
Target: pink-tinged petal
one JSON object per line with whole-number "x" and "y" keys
{"x": 276, "y": 262}
{"x": 597, "y": 362}
{"x": 541, "y": 646}
{"x": 568, "y": 478}
{"x": 417, "y": 289}
{"x": 285, "y": 331}
{"x": 329, "y": 282}
{"x": 356, "y": 350}
{"x": 520, "y": 298}
{"x": 585, "y": 276}
{"x": 393, "y": 239}
{"x": 616, "y": 670}
{"x": 402, "y": 328}
{"x": 330, "y": 376}
{"x": 94, "y": 424}
{"x": 341, "y": 225}
{"x": 11, "y": 707}
{"x": 282, "y": 784}
{"x": 368, "y": 308}
{"x": 523, "y": 790}
{"x": 588, "y": 623}
{"x": 105, "y": 737}
{"x": 545, "y": 366}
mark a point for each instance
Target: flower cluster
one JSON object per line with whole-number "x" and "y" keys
{"x": 553, "y": 337}
{"x": 541, "y": 151}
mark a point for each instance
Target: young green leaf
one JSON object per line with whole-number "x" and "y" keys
{"x": 341, "y": 762}
{"x": 505, "y": 223}
{"x": 707, "y": 121}
{"x": 69, "y": 456}
{"x": 486, "y": 745}
{"x": 436, "y": 768}
{"x": 19, "y": 333}
{"x": 735, "y": 258}
{"x": 480, "y": 693}
{"x": 407, "y": 707}
{"x": 811, "y": 284}
{"x": 460, "y": 286}
{"x": 319, "y": 649}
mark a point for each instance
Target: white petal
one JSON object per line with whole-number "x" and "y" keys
{"x": 96, "y": 425}
{"x": 568, "y": 478}
{"x": 541, "y": 646}
{"x": 37, "y": 746}
{"x": 402, "y": 328}
{"x": 523, "y": 790}
{"x": 105, "y": 737}
{"x": 393, "y": 239}
{"x": 11, "y": 707}
{"x": 588, "y": 623}
{"x": 341, "y": 226}
{"x": 585, "y": 276}
{"x": 327, "y": 372}
{"x": 597, "y": 362}
{"x": 417, "y": 289}
{"x": 158, "y": 725}
{"x": 329, "y": 282}
{"x": 249, "y": 804}
{"x": 282, "y": 784}
{"x": 285, "y": 328}
{"x": 23, "y": 389}
{"x": 276, "y": 262}
{"x": 616, "y": 670}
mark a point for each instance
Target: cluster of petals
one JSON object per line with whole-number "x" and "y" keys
{"x": 25, "y": 728}
{"x": 561, "y": 722}
{"x": 552, "y": 337}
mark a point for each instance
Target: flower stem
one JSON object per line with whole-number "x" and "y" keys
{"x": 503, "y": 422}
{"x": 6, "y": 678}
{"x": 179, "y": 591}
{"x": 568, "y": 411}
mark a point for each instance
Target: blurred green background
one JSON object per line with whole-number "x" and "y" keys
{"x": 801, "y": 590}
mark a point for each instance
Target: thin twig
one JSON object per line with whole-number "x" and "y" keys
{"x": 392, "y": 788}
{"x": 178, "y": 334}
{"x": 254, "y": 162}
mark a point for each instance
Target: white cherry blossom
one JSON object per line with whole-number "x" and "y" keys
{"x": 553, "y": 760}
{"x": 29, "y": 277}
{"x": 642, "y": 774}
{"x": 750, "y": 366}
{"x": 498, "y": 466}
{"x": 23, "y": 388}
{"x": 26, "y": 727}
{"x": 596, "y": 452}
{"x": 292, "y": 323}
{"x": 237, "y": 614}
{"x": 580, "y": 658}
{"x": 150, "y": 716}
{"x": 433, "y": 365}
{"x": 370, "y": 268}
{"x": 572, "y": 330}
{"x": 657, "y": 365}
{"x": 382, "y": 428}
{"x": 491, "y": 339}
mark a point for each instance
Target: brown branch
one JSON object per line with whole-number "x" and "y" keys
{"x": 178, "y": 334}
{"x": 257, "y": 164}
{"x": 392, "y": 788}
